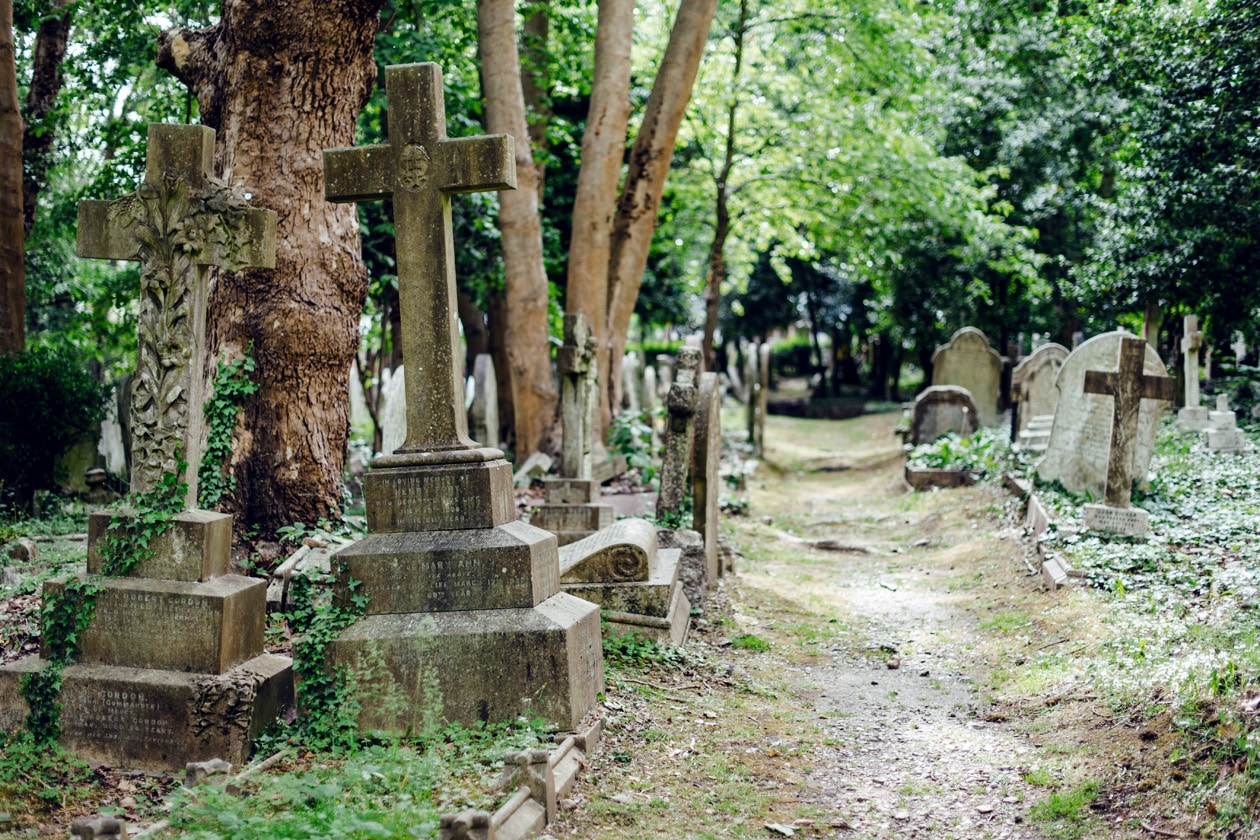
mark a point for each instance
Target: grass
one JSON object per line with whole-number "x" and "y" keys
{"x": 1066, "y": 814}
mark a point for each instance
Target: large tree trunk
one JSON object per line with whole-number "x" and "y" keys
{"x": 603, "y": 150}
{"x": 527, "y": 342}
{"x": 46, "y": 79}
{"x": 12, "y": 237}
{"x": 536, "y": 79}
{"x": 282, "y": 80}
{"x": 649, "y": 164}
{"x": 476, "y": 339}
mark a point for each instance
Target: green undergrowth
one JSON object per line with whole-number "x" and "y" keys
{"x": 390, "y": 789}
{"x": 987, "y": 454}
{"x": 1066, "y": 814}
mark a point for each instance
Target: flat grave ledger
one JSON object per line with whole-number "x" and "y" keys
{"x": 968, "y": 361}
{"x": 465, "y": 617}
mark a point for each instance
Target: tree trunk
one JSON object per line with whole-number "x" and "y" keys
{"x": 536, "y": 79}
{"x": 12, "y": 237}
{"x": 722, "y": 227}
{"x": 527, "y": 341}
{"x": 1152, "y": 322}
{"x": 496, "y": 325}
{"x": 282, "y": 80}
{"x": 603, "y": 149}
{"x": 41, "y": 99}
{"x": 476, "y": 339}
{"x": 640, "y": 200}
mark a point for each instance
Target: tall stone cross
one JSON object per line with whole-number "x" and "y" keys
{"x": 420, "y": 168}
{"x": 177, "y": 223}
{"x": 578, "y": 396}
{"x": 1128, "y": 385}
{"x": 1191, "y": 341}
{"x": 681, "y": 402}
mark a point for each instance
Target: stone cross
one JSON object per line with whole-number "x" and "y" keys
{"x": 1239, "y": 347}
{"x": 1191, "y": 341}
{"x": 681, "y": 403}
{"x": 177, "y": 223}
{"x": 1128, "y": 385}
{"x": 420, "y": 168}
{"x": 578, "y": 396}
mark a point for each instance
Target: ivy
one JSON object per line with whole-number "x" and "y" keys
{"x": 232, "y": 384}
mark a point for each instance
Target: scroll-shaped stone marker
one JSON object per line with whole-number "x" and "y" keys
{"x": 463, "y": 601}
{"x": 1193, "y": 415}
{"x": 635, "y": 582}
{"x": 681, "y": 403}
{"x": 1127, "y": 386}
{"x": 171, "y": 667}
{"x": 179, "y": 222}
{"x": 574, "y": 505}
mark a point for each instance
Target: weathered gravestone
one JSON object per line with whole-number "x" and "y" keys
{"x": 752, "y": 386}
{"x": 763, "y": 396}
{"x": 1080, "y": 438}
{"x": 940, "y": 410}
{"x": 1192, "y": 415}
{"x": 171, "y": 667}
{"x": 1128, "y": 386}
{"x": 681, "y": 406}
{"x": 483, "y": 418}
{"x": 631, "y": 385}
{"x": 706, "y": 455}
{"x": 1223, "y": 434}
{"x": 574, "y": 507}
{"x": 633, "y": 579}
{"x": 1032, "y": 388}
{"x": 464, "y": 618}
{"x": 393, "y": 410}
{"x": 648, "y": 402}
{"x": 969, "y": 362}
{"x": 664, "y": 374}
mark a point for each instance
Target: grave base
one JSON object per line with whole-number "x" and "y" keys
{"x": 925, "y": 478}
{"x": 660, "y": 598}
{"x": 1193, "y": 417}
{"x": 571, "y": 523}
{"x": 670, "y": 629}
{"x": 1227, "y": 440}
{"x": 158, "y": 720}
{"x": 1131, "y": 522}
{"x": 475, "y": 665}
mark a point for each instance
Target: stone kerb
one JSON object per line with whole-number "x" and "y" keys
{"x": 969, "y": 362}
{"x": 941, "y": 409}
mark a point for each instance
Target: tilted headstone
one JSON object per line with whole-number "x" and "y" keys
{"x": 1223, "y": 434}
{"x": 1080, "y": 439}
{"x": 463, "y": 601}
{"x": 940, "y": 410}
{"x": 664, "y": 374}
{"x": 763, "y": 396}
{"x": 706, "y": 455}
{"x": 1032, "y": 384}
{"x": 483, "y": 419}
{"x": 631, "y": 386}
{"x": 1128, "y": 386}
{"x": 393, "y": 410}
{"x": 171, "y": 667}
{"x": 969, "y": 362}
{"x": 635, "y": 581}
{"x": 676, "y": 460}
{"x": 1193, "y": 415}
{"x": 574, "y": 507}
{"x": 648, "y": 393}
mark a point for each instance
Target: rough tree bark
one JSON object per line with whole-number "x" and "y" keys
{"x": 536, "y": 79}
{"x": 649, "y": 164}
{"x": 282, "y": 80}
{"x": 12, "y": 236}
{"x": 527, "y": 342}
{"x": 722, "y": 226}
{"x": 603, "y": 148}
{"x": 41, "y": 98}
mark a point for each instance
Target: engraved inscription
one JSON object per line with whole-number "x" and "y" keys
{"x": 119, "y": 715}
{"x": 413, "y": 167}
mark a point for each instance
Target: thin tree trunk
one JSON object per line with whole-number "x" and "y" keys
{"x": 496, "y": 325}
{"x": 603, "y": 150}
{"x": 722, "y": 226}
{"x": 640, "y": 200}
{"x": 520, "y": 226}
{"x": 282, "y": 80}
{"x": 476, "y": 338}
{"x": 41, "y": 99}
{"x": 12, "y": 237}
{"x": 536, "y": 80}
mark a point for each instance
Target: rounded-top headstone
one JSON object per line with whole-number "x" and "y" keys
{"x": 942, "y": 409}
{"x": 1033, "y": 382}
{"x": 969, "y": 362}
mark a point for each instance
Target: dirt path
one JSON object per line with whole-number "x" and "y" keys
{"x": 840, "y": 685}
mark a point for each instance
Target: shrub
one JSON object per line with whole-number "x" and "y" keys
{"x": 48, "y": 400}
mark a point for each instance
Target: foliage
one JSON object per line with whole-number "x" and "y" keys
{"x": 48, "y": 400}
{"x": 39, "y": 774}
{"x": 637, "y": 650}
{"x": 748, "y": 641}
{"x": 631, "y": 436}
{"x": 1069, "y": 806}
{"x": 986, "y": 453}
{"x": 232, "y": 384}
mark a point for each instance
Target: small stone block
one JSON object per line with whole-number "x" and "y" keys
{"x": 195, "y": 548}
{"x": 1227, "y": 440}
{"x": 90, "y": 828}
{"x": 1133, "y": 522}
{"x": 200, "y": 772}
{"x": 439, "y": 498}
{"x": 535, "y": 466}
{"x": 511, "y": 566}
{"x": 571, "y": 491}
{"x": 469, "y": 825}
{"x": 24, "y": 551}
{"x": 1222, "y": 420}
{"x": 569, "y": 518}
{"x": 925, "y": 478}
{"x": 202, "y": 627}
{"x": 1053, "y": 574}
{"x": 1193, "y": 417}
{"x": 521, "y": 818}
{"x": 1037, "y": 519}
{"x": 670, "y": 630}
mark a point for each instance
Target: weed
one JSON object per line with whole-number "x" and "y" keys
{"x": 1069, "y": 809}
{"x": 750, "y": 642}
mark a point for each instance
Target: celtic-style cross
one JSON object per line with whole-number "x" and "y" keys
{"x": 1128, "y": 385}
{"x": 177, "y": 223}
{"x": 1191, "y": 341}
{"x": 420, "y": 168}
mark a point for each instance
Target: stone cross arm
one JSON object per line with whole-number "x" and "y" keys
{"x": 1107, "y": 383}
{"x": 460, "y": 165}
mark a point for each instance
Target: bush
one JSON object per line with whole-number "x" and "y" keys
{"x": 48, "y": 400}
{"x": 793, "y": 356}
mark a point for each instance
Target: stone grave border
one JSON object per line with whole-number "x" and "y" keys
{"x": 928, "y": 478}
{"x": 1056, "y": 572}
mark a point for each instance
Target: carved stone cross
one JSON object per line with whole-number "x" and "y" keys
{"x": 419, "y": 169}
{"x": 177, "y": 223}
{"x": 1128, "y": 385}
{"x": 578, "y": 396}
{"x": 682, "y": 402}
{"x": 1191, "y": 341}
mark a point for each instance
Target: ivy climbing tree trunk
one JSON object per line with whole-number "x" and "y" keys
{"x": 41, "y": 100}
{"x": 12, "y": 237}
{"x": 282, "y": 80}
{"x": 527, "y": 342}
